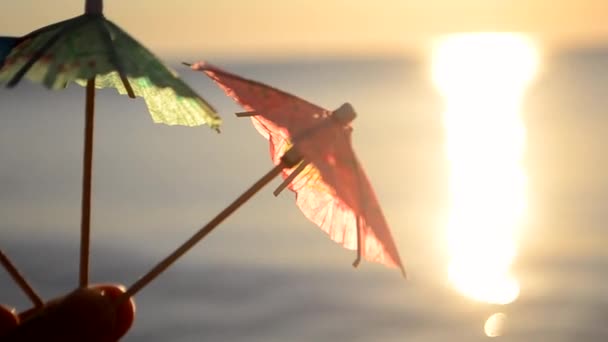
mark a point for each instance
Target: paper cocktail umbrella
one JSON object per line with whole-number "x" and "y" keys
{"x": 331, "y": 187}
{"x": 92, "y": 51}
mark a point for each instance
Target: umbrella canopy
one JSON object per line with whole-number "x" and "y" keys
{"x": 331, "y": 187}
{"x": 91, "y": 46}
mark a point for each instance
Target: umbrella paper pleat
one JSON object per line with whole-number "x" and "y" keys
{"x": 107, "y": 40}
{"x": 40, "y": 52}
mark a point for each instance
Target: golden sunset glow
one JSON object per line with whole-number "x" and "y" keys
{"x": 320, "y": 28}
{"x": 482, "y": 78}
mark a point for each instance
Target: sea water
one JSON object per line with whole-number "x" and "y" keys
{"x": 267, "y": 273}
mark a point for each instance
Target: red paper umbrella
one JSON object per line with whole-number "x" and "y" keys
{"x": 331, "y": 187}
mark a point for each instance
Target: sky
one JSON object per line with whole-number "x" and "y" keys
{"x": 296, "y": 28}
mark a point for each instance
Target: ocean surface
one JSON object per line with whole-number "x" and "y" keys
{"x": 268, "y": 274}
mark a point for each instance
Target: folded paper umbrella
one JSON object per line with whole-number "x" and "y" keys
{"x": 310, "y": 146}
{"x": 331, "y": 187}
{"x": 94, "y": 52}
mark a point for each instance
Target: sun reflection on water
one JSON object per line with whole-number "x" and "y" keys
{"x": 495, "y": 325}
{"x": 482, "y": 78}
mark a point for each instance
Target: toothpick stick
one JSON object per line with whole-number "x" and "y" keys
{"x": 87, "y": 170}
{"x": 290, "y": 159}
{"x": 290, "y": 178}
{"x": 358, "y": 259}
{"x": 168, "y": 261}
{"x": 245, "y": 114}
{"x": 20, "y": 280}
{"x": 93, "y": 7}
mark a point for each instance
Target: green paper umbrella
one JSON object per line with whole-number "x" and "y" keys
{"x": 92, "y": 51}
{"x": 91, "y": 46}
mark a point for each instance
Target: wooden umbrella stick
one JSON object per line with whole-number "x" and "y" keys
{"x": 93, "y": 7}
{"x": 87, "y": 170}
{"x": 168, "y": 261}
{"x": 20, "y": 280}
{"x": 358, "y": 259}
{"x": 290, "y": 178}
{"x": 245, "y": 114}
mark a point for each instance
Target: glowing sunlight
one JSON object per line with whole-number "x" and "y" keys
{"x": 482, "y": 78}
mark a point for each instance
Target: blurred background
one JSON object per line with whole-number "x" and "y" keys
{"x": 481, "y": 126}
